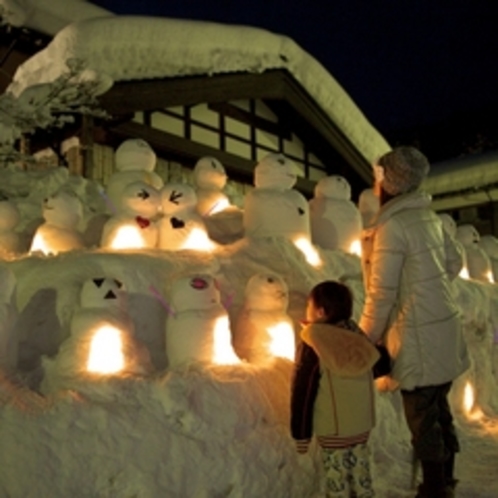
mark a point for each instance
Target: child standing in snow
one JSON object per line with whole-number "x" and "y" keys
{"x": 333, "y": 392}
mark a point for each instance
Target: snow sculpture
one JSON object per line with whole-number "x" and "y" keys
{"x": 181, "y": 226}
{"x": 133, "y": 227}
{"x": 489, "y": 245}
{"x": 450, "y": 227}
{"x": 275, "y": 171}
{"x": 62, "y": 212}
{"x": 369, "y": 205}
{"x": 263, "y": 328}
{"x": 210, "y": 178}
{"x": 101, "y": 340}
{"x": 478, "y": 263}
{"x": 135, "y": 162}
{"x": 10, "y": 243}
{"x": 335, "y": 221}
{"x": 8, "y": 315}
{"x": 197, "y": 330}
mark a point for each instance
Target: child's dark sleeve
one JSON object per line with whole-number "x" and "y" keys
{"x": 303, "y": 392}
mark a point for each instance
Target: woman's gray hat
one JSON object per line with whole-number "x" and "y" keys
{"x": 404, "y": 170}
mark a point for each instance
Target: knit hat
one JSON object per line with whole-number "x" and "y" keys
{"x": 404, "y": 170}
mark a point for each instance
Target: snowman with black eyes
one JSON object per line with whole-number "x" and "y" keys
{"x": 181, "y": 226}
{"x": 134, "y": 225}
{"x": 273, "y": 207}
{"x": 210, "y": 178}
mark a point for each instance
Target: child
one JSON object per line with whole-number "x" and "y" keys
{"x": 333, "y": 391}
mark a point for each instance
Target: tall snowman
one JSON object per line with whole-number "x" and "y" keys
{"x": 263, "y": 328}
{"x": 210, "y": 178}
{"x": 478, "y": 263}
{"x": 197, "y": 328}
{"x": 62, "y": 212}
{"x": 335, "y": 221}
{"x": 489, "y": 244}
{"x": 134, "y": 225}
{"x": 10, "y": 243}
{"x": 181, "y": 226}
{"x": 368, "y": 205}
{"x": 273, "y": 207}
{"x": 134, "y": 161}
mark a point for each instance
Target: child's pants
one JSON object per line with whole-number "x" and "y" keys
{"x": 347, "y": 472}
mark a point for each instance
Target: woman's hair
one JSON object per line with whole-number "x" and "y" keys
{"x": 335, "y": 299}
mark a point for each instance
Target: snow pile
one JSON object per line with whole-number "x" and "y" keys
{"x": 136, "y": 48}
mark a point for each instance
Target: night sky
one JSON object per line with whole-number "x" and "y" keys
{"x": 422, "y": 71}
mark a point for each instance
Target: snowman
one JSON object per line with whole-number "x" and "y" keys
{"x": 210, "y": 178}
{"x": 489, "y": 244}
{"x": 135, "y": 162}
{"x": 101, "y": 340}
{"x": 62, "y": 212}
{"x": 10, "y": 243}
{"x": 181, "y": 226}
{"x": 134, "y": 226}
{"x": 8, "y": 315}
{"x": 274, "y": 208}
{"x": 368, "y": 205}
{"x": 197, "y": 329}
{"x": 478, "y": 263}
{"x": 335, "y": 221}
{"x": 263, "y": 328}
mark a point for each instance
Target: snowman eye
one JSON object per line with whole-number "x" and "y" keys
{"x": 143, "y": 194}
{"x": 270, "y": 280}
{"x": 213, "y": 164}
{"x": 281, "y": 160}
{"x": 199, "y": 283}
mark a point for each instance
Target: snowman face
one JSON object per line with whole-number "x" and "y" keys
{"x": 9, "y": 215}
{"x": 62, "y": 209}
{"x": 267, "y": 291}
{"x": 209, "y": 173}
{"x": 140, "y": 199}
{"x": 177, "y": 197}
{"x": 333, "y": 187}
{"x": 102, "y": 292}
{"x": 449, "y": 224}
{"x": 135, "y": 154}
{"x": 467, "y": 235}
{"x": 195, "y": 293}
{"x": 275, "y": 171}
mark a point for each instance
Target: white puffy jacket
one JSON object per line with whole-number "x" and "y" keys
{"x": 409, "y": 262}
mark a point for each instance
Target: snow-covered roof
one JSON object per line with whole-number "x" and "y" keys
{"x": 135, "y": 48}
{"x": 48, "y": 16}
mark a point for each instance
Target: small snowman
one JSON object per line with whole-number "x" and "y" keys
{"x": 210, "y": 178}
{"x": 181, "y": 226}
{"x": 62, "y": 212}
{"x": 8, "y": 314}
{"x": 368, "y": 205}
{"x": 478, "y": 263}
{"x": 489, "y": 244}
{"x": 10, "y": 243}
{"x": 263, "y": 328}
{"x": 274, "y": 208}
{"x": 335, "y": 221}
{"x": 197, "y": 328}
{"x": 134, "y": 226}
{"x": 135, "y": 161}
{"x": 101, "y": 341}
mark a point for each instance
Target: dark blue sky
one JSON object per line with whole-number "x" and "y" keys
{"x": 407, "y": 63}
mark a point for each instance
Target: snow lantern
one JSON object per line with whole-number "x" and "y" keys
{"x": 134, "y": 226}
{"x": 478, "y": 263}
{"x": 135, "y": 161}
{"x": 469, "y": 403}
{"x": 62, "y": 212}
{"x": 197, "y": 328}
{"x": 368, "y": 205}
{"x": 335, "y": 221}
{"x": 489, "y": 244}
{"x": 263, "y": 329}
{"x": 181, "y": 226}
{"x": 276, "y": 172}
{"x": 210, "y": 178}
{"x": 450, "y": 227}
{"x": 10, "y": 244}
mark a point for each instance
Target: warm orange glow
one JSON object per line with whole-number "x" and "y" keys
{"x": 355, "y": 248}
{"x": 490, "y": 277}
{"x": 106, "y": 351}
{"x": 464, "y": 273}
{"x": 198, "y": 240}
{"x": 221, "y": 205}
{"x": 469, "y": 403}
{"x": 39, "y": 245}
{"x": 128, "y": 237}
{"x": 223, "y": 353}
{"x": 282, "y": 340}
{"x": 310, "y": 253}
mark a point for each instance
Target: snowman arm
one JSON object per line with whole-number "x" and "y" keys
{"x": 454, "y": 256}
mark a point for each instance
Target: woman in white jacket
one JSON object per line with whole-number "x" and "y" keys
{"x": 408, "y": 263}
